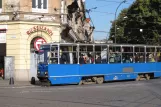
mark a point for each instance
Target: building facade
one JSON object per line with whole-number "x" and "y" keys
{"x": 25, "y": 24}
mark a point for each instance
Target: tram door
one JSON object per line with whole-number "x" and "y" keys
{"x": 35, "y": 59}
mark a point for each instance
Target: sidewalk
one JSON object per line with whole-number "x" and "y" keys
{"x": 4, "y": 83}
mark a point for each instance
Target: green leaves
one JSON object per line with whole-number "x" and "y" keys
{"x": 142, "y": 14}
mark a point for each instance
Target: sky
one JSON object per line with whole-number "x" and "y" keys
{"x": 104, "y": 14}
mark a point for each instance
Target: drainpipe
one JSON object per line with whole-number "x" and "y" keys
{"x": 62, "y": 11}
{"x": 62, "y": 18}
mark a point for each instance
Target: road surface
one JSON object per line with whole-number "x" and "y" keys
{"x": 114, "y": 94}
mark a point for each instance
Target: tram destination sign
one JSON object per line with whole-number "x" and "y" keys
{"x": 39, "y": 28}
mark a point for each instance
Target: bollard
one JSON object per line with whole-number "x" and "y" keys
{"x": 33, "y": 81}
{"x": 11, "y": 81}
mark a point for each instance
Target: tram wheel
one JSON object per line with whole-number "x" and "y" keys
{"x": 81, "y": 82}
{"x": 48, "y": 83}
{"x": 94, "y": 79}
{"x": 99, "y": 80}
{"x": 138, "y": 78}
{"x": 147, "y": 77}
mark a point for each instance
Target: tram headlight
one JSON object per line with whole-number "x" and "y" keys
{"x": 38, "y": 72}
{"x": 46, "y": 73}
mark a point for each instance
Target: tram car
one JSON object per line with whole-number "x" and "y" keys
{"x": 78, "y": 63}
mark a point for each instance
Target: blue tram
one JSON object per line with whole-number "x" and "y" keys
{"x": 76, "y": 63}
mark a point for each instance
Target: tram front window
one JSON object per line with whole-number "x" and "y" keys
{"x": 43, "y": 54}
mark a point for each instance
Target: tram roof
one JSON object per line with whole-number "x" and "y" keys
{"x": 102, "y": 44}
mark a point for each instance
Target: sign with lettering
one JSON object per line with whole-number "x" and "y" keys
{"x": 40, "y": 28}
{"x": 38, "y": 42}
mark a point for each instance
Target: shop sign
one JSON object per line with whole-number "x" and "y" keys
{"x": 40, "y": 28}
{"x": 2, "y": 37}
{"x": 38, "y": 42}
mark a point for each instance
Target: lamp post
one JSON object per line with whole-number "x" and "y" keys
{"x": 115, "y": 17}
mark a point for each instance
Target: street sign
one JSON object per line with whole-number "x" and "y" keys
{"x": 38, "y": 42}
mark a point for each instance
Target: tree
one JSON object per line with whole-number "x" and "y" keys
{"x": 142, "y": 14}
{"x": 120, "y": 24}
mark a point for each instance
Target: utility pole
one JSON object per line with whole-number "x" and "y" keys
{"x": 115, "y": 17}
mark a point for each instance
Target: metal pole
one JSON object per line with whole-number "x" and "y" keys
{"x": 115, "y": 16}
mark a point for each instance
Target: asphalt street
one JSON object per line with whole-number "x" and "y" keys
{"x": 113, "y": 94}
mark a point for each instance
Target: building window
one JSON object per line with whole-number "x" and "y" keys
{"x": 0, "y": 6}
{"x": 40, "y": 6}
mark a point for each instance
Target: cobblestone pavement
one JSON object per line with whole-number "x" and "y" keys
{"x": 115, "y": 94}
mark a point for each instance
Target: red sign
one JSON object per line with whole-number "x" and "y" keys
{"x": 38, "y": 42}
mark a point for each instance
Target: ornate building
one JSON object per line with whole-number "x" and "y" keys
{"x": 74, "y": 22}
{"x": 25, "y": 24}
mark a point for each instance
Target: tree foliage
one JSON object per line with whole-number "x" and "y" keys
{"x": 142, "y": 14}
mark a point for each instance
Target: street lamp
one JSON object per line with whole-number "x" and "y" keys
{"x": 115, "y": 17}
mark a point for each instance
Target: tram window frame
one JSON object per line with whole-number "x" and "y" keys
{"x": 127, "y": 54}
{"x": 115, "y": 48}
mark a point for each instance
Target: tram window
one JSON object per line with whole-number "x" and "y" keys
{"x": 158, "y": 54}
{"x": 86, "y": 54}
{"x": 128, "y": 49}
{"x": 114, "y": 54}
{"x": 101, "y": 54}
{"x": 75, "y": 55}
{"x": 104, "y": 54}
{"x": 150, "y": 49}
{"x": 127, "y": 55}
{"x": 53, "y": 55}
{"x": 139, "y": 49}
{"x": 139, "y": 54}
{"x": 68, "y": 54}
{"x": 82, "y": 48}
{"x": 150, "y": 54}
{"x": 98, "y": 54}
{"x": 82, "y": 54}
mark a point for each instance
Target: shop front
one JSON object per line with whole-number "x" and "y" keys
{"x": 23, "y": 40}
{"x": 3, "y": 29}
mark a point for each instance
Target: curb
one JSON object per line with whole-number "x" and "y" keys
{"x": 4, "y": 83}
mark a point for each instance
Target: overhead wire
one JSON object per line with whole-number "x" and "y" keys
{"x": 112, "y": 1}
